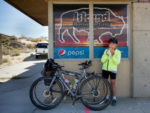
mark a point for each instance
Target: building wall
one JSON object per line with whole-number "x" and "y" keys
{"x": 123, "y": 77}
{"x": 141, "y": 47}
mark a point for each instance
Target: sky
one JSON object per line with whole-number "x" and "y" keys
{"x": 14, "y": 22}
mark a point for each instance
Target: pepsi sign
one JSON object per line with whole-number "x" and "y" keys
{"x": 61, "y": 52}
{"x": 71, "y": 52}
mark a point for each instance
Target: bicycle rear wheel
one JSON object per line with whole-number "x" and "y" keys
{"x": 44, "y": 97}
{"x": 94, "y": 91}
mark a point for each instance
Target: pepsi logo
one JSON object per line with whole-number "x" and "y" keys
{"x": 61, "y": 52}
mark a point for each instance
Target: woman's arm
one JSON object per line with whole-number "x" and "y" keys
{"x": 116, "y": 57}
{"x": 104, "y": 57}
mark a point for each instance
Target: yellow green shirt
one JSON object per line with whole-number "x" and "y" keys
{"x": 110, "y": 64}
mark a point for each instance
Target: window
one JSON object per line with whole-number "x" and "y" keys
{"x": 71, "y": 28}
{"x": 42, "y": 45}
{"x": 110, "y": 21}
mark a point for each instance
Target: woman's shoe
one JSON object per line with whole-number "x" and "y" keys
{"x": 114, "y": 102}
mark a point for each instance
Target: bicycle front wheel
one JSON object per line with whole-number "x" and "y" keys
{"x": 44, "y": 97}
{"x": 94, "y": 91}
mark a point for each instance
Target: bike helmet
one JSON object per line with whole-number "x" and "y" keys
{"x": 113, "y": 40}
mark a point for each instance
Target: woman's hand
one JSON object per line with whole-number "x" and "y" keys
{"x": 107, "y": 52}
{"x": 112, "y": 51}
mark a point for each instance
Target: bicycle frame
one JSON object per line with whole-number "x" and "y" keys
{"x": 74, "y": 94}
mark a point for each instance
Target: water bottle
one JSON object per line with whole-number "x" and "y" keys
{"x": 67, "y": 81}
{"x": 75, "y": 83}
{"x": 76, "y": 80}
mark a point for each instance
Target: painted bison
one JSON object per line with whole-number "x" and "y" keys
{"x": 105, "y": 22}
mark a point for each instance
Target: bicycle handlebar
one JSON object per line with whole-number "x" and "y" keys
{"x": 85, "y": 64}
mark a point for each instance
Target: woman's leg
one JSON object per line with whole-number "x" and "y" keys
{"x": 113, "y": 84}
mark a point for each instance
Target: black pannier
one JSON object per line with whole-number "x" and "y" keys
{"x": 48, "y": 70}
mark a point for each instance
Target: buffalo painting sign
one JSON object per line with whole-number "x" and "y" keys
{"x": 71, "y": 27}
{"x": 110, "y": 21}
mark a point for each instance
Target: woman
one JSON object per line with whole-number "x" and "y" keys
{"x": 110, "y": 60}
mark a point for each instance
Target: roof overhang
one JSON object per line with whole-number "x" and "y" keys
{"x": 38, "y": 9}
{"x": 35, "y": 9}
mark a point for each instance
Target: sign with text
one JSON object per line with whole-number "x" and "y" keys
{"x": 110, "y": 21}
{"x": 71, "y": 29}
{"x": 71, "y": 52}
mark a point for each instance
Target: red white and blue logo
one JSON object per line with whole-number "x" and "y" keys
{"x": 71, "y": 52}
{"x": 61, "y": 52}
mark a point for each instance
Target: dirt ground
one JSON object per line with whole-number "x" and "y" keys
{"x": 16, "y": 59}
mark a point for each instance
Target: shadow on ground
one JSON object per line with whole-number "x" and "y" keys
{"x": 22, "y": 80}
{"x": 33, "y": 58}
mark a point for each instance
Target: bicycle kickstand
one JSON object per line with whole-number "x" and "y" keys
{"x": 74, "y": 100}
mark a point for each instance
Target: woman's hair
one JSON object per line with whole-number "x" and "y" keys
{"x": 113, "y": 40}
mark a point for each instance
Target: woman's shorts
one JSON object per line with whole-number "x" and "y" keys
{"x": 106, "y": 74}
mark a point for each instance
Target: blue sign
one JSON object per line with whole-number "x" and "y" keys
{"x": 71, "y": 52}
{"x": 98, "y": 51}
